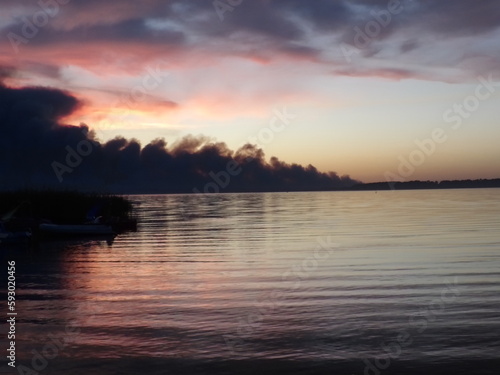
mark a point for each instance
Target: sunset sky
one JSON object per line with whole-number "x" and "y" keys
{"x": 361, "y": 83}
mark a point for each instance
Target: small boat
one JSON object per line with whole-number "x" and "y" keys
{"x": 75, "y": 229}
{"x": 7, "y": 236}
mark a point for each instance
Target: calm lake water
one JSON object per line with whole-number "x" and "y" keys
{"x": 403, "y": 282}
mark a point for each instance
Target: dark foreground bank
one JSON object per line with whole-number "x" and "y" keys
{"x": 157, "y": 366}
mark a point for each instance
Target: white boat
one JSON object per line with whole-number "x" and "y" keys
{"x": 78, "y": 229}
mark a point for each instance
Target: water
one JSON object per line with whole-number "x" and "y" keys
{"x": 295, "y": 283}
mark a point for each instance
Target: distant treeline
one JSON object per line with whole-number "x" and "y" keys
{"x": 447, "y": 184}
{"x": 63, "y": 207}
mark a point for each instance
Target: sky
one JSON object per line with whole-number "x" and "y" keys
{"x": 376, "y": 90}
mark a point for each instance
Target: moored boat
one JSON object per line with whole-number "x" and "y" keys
{"x": 9, "y": 236}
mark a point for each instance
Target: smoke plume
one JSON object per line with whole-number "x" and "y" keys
{"x": 37, "y": 150}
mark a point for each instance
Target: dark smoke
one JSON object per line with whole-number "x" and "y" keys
{"x": 37, "y": 150}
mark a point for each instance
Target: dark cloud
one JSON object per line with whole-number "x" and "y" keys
{"x": 265, "y": 26}
{"x": 467, "y": 17}
{"x": 324, "y": 14}
{"x": 281, "y": 19}
{"x": 38, "y": 150}
{"x": 130, "y": 30}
